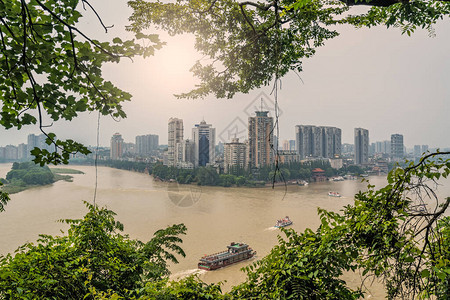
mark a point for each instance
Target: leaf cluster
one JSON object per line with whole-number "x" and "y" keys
{"x": 50, "y": 69}
{"x": 247, "y": 44}
{"x": 389, "y": 234}
{"x": 93, "y": 256}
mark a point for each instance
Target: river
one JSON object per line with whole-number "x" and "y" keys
{"x": 214, "y": 216}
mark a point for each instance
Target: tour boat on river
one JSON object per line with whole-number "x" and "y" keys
{"x": 334, "y": 194}
{"x": 283, "y": 222}
{"x": 236, "y": 252}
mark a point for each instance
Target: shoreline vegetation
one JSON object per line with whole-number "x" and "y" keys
{"x": 27, "y": 175}
{"x": 286, "y": 174}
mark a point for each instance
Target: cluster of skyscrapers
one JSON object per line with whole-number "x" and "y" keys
{"x": 145, "y": 146}
{"x": 318, "y": 141}
{"x": 22, "y": 151}
{"x": 256, "y": 151}
{"x": 194, "y": 152}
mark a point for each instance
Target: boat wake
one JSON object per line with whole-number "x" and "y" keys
{"x": 186, "y": 273}
{"x": 271, "y": 229}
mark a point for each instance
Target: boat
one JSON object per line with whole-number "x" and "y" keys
{"x": 283, "y": 222}
{"x": 338, "y": 178}
{"x": 334, "y": 194}
{"x": 302, "y": 182}
{"x": 236, "y": 252}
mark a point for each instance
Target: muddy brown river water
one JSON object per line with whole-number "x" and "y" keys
{"x": 214, "y": 216}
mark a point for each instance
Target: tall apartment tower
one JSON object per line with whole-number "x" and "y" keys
{"x": 318, "y": 141}
{"x": 397, "y": 147}
{"x": 145, "y": 144}
{"x": 260, "y": 140}
{"x": 188, "y": 153}
{"x": 331, "y": 145}
{"x": 116, "y": 146}
{"x": 361, "y": 146}
{"x": 204, "y": 137}
{"x": 22, "y": 151}
{"x": 235, "y": 154}
{"x": 175, "y": 136}
{"x": 383, "y": 147}
{"x": 292, "y": 145}
{"x": 417, "y": 151}
{"x": 32, "y": 142}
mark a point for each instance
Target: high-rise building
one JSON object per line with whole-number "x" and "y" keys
{"x": 187, "y": 151}
{"x": 260, "y": 140}
{"x": 397, "y": 147}
{"x": 361, "y": 146}
{"x": 41, "y": 141}
{"x": 424, "y": 148}
{"x": 235, "y": 154}
{"x": 9, "y": 152}
{"x": 372, "y": 148}
{"x": 128, "y": 149}
{"x": 146, "y": 144}
{"x": 175, "y": 136}
{"x": 383, "y": 147}
{"x": 38, "y": 141}
{"x": 184, "y": 154}
{"x": 204, "y": 137}
{"x": 32, "y": 142}
{"x": 348, "y": 149}
{"x": 318, "y": 141}
{"x": 22, "y": 151}
{"x": 417, "y": 151}
{"x": 275, "y": 143}
{"x": 292, "y": 145}
{"x": 304, "y": 135}
{"x": 286, "y": 145}
{"x": 116, "y": 146}
{"x": 331, "y": 137}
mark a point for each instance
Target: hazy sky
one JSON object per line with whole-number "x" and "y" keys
{"x": 373, "y": 78}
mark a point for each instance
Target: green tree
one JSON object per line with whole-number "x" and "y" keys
{"x": 50, "y": 67}
{"x": 393, "y": 234}
{"x": 207, "y": 176}
{"x": 30, "y": 174}
{"x": 250, "y": 43}
{"x": 227, "y": 180}
{"x": 93, "y": 256}
{"x": 4, "y": 198}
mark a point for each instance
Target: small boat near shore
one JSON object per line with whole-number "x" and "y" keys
{"x": 283, "y": 222}
{"x": 302, "y": 182}
{"x": 334, "y": 194}
{"x": 236, "y": 252}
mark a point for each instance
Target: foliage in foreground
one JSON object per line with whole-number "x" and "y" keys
{"x": 248, "y": 44}
{"x": 393, "y": 234}
{"x": 50, "y": 70}
{"x": 93, "y": 256}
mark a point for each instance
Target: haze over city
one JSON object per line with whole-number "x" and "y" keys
{"x": 372, "y": 78}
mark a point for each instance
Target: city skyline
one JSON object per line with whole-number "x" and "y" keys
{"x": 363, "y": 78}
{"x": 379, "y": 144}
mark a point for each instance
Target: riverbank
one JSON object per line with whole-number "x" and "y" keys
{"x": 59, "y": 174}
